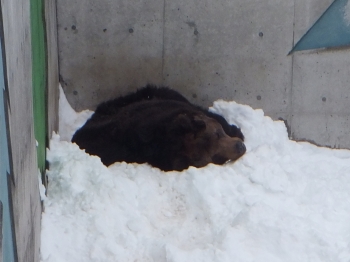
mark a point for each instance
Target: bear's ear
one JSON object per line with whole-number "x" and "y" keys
{"x": 199, "y": 123}
{"x": 181, "y": 124}
{"x": 235, "y": 132}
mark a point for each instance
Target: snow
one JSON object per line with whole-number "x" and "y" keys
{"x": 282, "y": 201}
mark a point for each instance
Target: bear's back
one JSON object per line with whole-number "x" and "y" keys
{"x": 147, "y": 93}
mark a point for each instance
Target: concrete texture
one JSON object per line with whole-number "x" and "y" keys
{"x": 24, "y": 175}
{"x": 320, "y": 93}
{"x": 200, "y": 50}
{"x": 321, "y": 98}
{"x": 52, "y": 66}
{"x": 23, "y": 151}
{"x": 235, "y": 50}
{"x": 108, "y": 47}
{"x": 218, "y": 50}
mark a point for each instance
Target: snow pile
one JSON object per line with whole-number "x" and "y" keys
{"x": 69, "y": 120}
{"x": 282, "y": 201}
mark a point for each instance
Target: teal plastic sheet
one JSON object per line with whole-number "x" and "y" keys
{"x": 331, "y": 30}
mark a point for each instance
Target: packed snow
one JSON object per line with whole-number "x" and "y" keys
{"x": 282, "y": 201}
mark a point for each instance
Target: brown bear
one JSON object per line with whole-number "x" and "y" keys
{"x": 160, "y": 127}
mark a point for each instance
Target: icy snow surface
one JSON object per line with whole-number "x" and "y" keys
{"x": 282, "y": 201}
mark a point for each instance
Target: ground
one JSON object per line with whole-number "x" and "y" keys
{"x": 282, "y": 201}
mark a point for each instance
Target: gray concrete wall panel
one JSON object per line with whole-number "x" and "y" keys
{"x": 108, "y": 47}
{"x": 321, "y": 97}
{"x": 24, "y": 184}
{"x": 207, "y": 50}
{"x": 231, "y": 50}
{"x": 52, "y": 64}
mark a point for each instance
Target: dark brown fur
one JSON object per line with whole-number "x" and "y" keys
{"x": 160, "y": 127}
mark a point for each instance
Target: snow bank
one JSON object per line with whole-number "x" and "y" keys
{"x": 282, "y": 201}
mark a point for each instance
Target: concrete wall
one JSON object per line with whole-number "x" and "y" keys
{"x": 52, "y": 66}
{"x": 24, "y": 186}
{"x": 230, "y": 49}
{"x": 7, "y": 247}
{"x": 23, "y": 152}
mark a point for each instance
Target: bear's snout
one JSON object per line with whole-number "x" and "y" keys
{"x": 240, "y": 148}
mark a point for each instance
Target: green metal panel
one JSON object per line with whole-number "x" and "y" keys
{"x": 39, "y": 77}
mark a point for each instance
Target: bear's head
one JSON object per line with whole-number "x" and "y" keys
{"x": 202, "y": 140}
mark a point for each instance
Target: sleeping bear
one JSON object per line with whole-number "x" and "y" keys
{"x": 160, "y": 127}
